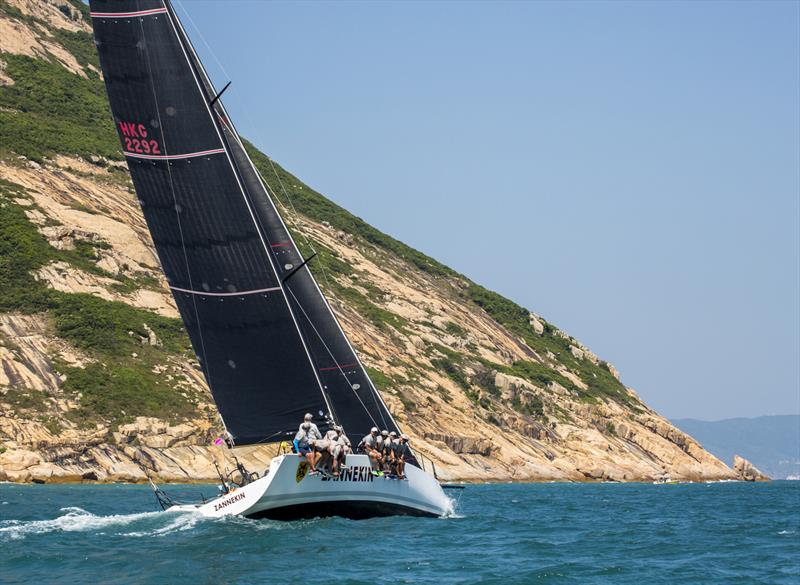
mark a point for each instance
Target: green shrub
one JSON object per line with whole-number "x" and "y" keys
{"x": 378, "y": 316}
{"x": 92, "y": 323}
{"x": 455, "y": 329}
{"x": 452, "y": 371}
{"x": 23, "y": 250}
{"x": 381, "y": 380}
{"x": 444, "y": 393}
{"x": 54, "y": 111}
{"x": 118, "y": 392}
{"x": 533, "y": 406}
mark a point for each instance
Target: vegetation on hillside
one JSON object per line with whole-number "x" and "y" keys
{"x": 516, "y": 319}
{"x": 121, "y": 383}
{"x": 49, "y": 110}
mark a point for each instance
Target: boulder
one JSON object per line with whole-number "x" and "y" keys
{"x": 152, "y": 339}
{"x": 746, "y": 471}
{"x": 538, "y": 326}
{"x": 576, "y": 352}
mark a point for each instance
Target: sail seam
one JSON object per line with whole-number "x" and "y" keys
{"x": 128, "y": 14}
{"x": 173, "y": 19}
{"x": 174, "y": 156}
{"x": 225, "y": 294}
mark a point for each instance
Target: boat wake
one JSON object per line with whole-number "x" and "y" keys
{"x": 138, "y": 525}
{"x": 79, "y": 520}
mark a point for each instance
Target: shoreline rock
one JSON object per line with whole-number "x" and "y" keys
{"x": 746, "y": 471}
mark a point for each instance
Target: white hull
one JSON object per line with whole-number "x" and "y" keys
{"x": 288, "y": 492}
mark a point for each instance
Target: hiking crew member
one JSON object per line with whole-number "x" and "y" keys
{"x": 368, "y": 444}
{"x": 307, "y": 433}
{"x": 303, "y": 443}
{"x": 341, "y": 448}
{"x": 389, "y": 451}
{"x": 323, "y": 455}
{"x": 327, "y": 448}
{"x": 385, "y": 449}
{"x": 402, "y": 454}
{"x": 309, "y": 418}
{"x": 379, "y": 443}
{"x": 333, "y": 434}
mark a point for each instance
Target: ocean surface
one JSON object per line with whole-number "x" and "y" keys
{"x": 511, "y": 533}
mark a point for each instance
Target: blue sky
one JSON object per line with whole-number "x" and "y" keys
{"x": 628, "y": 170}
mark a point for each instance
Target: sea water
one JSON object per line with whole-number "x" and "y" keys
{"x": 513, "y": 533}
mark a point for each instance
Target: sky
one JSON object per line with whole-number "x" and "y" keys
{"x": 630, "y": 171}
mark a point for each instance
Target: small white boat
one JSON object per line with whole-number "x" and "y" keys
{"x": 288, "y": 491}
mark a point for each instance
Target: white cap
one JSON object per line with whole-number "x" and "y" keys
{"x": 404, "y": 437}
{"x": 392, "y": 434}
{"x": 374, "y": 430}
{"x": 385, "y": 433}
{"x": 308, "y": 416}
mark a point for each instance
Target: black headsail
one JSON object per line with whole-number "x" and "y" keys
{"x": 270, "y": 347}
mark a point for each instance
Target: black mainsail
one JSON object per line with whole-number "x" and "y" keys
{"x": 269, "y": 345}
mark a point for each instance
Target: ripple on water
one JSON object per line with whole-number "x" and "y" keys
{"x": 500, "y": 534}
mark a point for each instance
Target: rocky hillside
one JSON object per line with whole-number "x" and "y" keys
{"x": 98, "y": 380}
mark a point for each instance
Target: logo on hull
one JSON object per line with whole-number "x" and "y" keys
{"x": 302, "y": 471}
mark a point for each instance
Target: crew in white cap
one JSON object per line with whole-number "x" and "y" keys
{"x": 313, "y": 433}
{"x": 304, "y": 440}
{"x": 382, "y": 445}
{"x": 402, "y": 454}
{"x": 368, "y": 444}
{"x": 390, "y": 445}
{"x": 340, "y": 450}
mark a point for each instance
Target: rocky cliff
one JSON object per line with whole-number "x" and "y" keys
{"x": 98, "y": 381}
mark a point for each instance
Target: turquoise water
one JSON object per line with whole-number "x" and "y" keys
{"x": 539, "y": 533}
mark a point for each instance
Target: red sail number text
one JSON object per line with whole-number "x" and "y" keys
{"x": 136, "y": 139}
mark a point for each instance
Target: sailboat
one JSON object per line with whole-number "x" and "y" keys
{"x": 267, "y": 341}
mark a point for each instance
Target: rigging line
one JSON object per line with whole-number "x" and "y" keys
{"x": 205, "y": 365}
{"x": 202, "y": 38}
{"x": 295, "y": 222}
{"x": 297, "y": 225}
{"x": 325, "y": 345}
{"x": 175, "y": 22}
{"x": 289, "y": 199}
